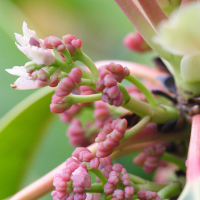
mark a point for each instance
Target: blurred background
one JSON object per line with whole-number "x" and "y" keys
{"x": 100, "y": 24}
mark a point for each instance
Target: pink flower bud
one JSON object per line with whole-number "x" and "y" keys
{"x": 109, "y": 188}
{"x": 94, "y": 163}
{"x": 81, "y": 178}
{"x": 129, "y": 191}
{"x": 119, "y": 194}
{"x": 61, "y": 48}
{"x": 67, "y": 39}
{"x": 109, "y": 80}
{"x": 117, "y": 167}
{"x": 140, "y": 159}
{"x": 76, "y": 43}
{"x": 75, "y": 75}
{"x": 113, "y": 92}
{"x": 106, "y": 161}
{"x": 114, "y": 177}
{"x": 135, "y": 42}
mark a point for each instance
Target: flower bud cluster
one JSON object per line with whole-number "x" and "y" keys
{"x": 102, "y": 114}
{"x": 107, "y": 83}
{"x": 69, "y": 42}
{"x": 110, "y": 137}
{"x": 118, "y": 176}
{"x": 60, "y": 104}
{"x": 72, "y": 43}
{"x": 71, "y": 182}
{"x": 135, "y": 42}
{"x": 60, "y": 101}
{"x": 78, "y": 135}
{"x": 149, "y": 159}
{"x": 147, "y": 195}
{"x": 68, "y": 84}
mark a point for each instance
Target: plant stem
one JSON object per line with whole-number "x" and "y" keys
{"x": 88, "y": 62}
{"x": 136, "y": 179}
{"x": 142, "y": 89}
{"x": 174, "y": 159}
{"x": 151, "y": 186}
{"x": 84, "y": 98}
{"x": 95, "y": 188}
{"x": 142, "y": 25}
{"x": 142, "y": 184}
{"x": 88, "y": 82}
{"x": 67, "y": 56}
{"x": 100, "y": 175}
{"x": 135, "y": 129}
{"x": 160, "y": 115}
{"x": 153, "y": 11}
{"x": 123, "y": 90}
{"x": 170, "y": 190}
{"x": 193, "y": 159}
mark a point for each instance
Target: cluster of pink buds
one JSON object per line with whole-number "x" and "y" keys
{"x": 102, "y": 114}
{"x": 72, "y": 43}
{"x": 68, "y": 84}
{"x": 60, "y": 102}
{"x": 107, "y": 83}
{"x": 149, "y": 159}
{"x": 69, "y": 42}
{"x": 110, "y": 137}
{"x": 78, "y": 135}
{"x": 147, "y": 195}
{"x": 135, "y": 42}
{"x": 71, "y": 182}
{"x": 118, "y": 175}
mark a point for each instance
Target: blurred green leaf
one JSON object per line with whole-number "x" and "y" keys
{"x": 17, "y": 142}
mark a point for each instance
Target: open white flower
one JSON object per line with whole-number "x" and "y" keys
{"x": 180, "y": 34}
{"x": 33, "y": 47}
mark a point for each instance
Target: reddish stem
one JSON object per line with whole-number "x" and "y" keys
{"x": 153, "y": 11}
{"x": 193, "y": 159}
{"x": 142, "y": 24}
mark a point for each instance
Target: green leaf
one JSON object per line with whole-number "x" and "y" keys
{"x": 17, "y": 142}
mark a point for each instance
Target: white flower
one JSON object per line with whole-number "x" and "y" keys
{"x": 25, "y": 82}
{"x": 181, "y": 34}
{"x": 37, "y": 52}
{"x": 27, "y": 35}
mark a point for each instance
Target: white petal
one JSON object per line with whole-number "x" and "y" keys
{"x": 21, "y": 40}
{"x": 23, "y": 83}
{"x": 27, "y": 32}
{"x": 18, "y": 71}
{"x": 38, "y": 55}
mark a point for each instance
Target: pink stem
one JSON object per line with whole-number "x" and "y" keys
{"x": 153, "y": 11}
{"x": 142, "y": 25}
{"x": 193, "y": 159}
